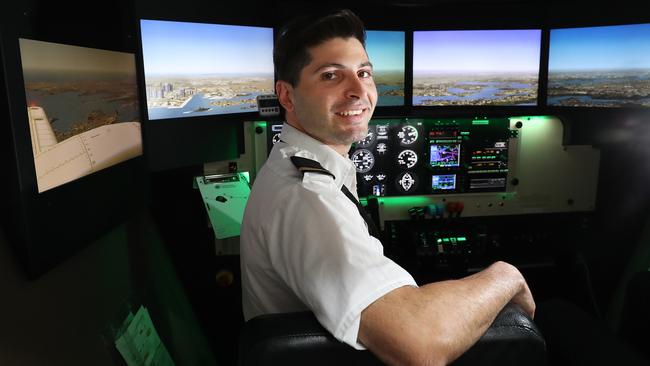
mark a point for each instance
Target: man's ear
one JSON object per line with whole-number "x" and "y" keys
{"x": 284, "y": 91}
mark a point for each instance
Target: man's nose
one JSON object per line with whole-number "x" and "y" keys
{"x": 354, "y": 87}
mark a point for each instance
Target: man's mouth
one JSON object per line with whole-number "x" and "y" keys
{"x": 351, "y": 112}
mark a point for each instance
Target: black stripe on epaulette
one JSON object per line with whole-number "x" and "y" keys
{"x": 305, "y": 165}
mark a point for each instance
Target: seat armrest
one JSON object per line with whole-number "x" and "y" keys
{"x": 298, "y": 339}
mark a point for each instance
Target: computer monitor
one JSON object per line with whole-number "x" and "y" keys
{"x": 386, "y": 50}
{"x": 476, "y": 67}
{"x": 606, "y": 66}
{"x": 82, "y": 109}
{"x": 75, "y": 169}
{"x": 200, "y": 69}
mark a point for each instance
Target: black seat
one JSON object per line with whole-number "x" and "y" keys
{"x": 298, "y": 339}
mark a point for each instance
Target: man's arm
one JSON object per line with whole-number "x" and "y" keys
{"x": 436, "y": 323}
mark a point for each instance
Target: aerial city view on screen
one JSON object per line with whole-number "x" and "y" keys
{"x": 492, "y": 67}
{"x": 194, "y": 69}
{"x": 82, "y": 106}
{"x": 600, "y": 66}
{"x": 386, "y": 52}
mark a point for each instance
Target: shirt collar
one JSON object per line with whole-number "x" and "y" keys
{"x": 342, "y": 168}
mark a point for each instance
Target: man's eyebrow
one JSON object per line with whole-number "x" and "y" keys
{"x": 340, "y": 66}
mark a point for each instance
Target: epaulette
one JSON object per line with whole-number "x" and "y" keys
{"x": 312, "y": 166}
{"x": 305, "y": 165}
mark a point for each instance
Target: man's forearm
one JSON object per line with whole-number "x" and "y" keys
{"x": 436, "y": 323}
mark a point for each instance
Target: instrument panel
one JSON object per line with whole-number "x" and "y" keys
{"x": 432, "y": 156}
{"x": 416, "y": 156}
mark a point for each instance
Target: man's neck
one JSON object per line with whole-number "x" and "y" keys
{"x": 340, "y": 149}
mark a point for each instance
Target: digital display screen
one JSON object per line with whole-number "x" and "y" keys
{"x": 600, "y": 66}
{"x": 444, "y": 155}
{"x": 197, "y": 69}
{"x": 483, "y": 67}
{"x": 82, "y": 108}
{"x": 386, "y": 51}
{"x": 444, "y": 182}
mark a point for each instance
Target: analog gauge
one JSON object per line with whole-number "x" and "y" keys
{"x": 369, "y": 139}
{"x": 382, "y": 148}
{"x": 368, "y": 177}
{"x": 407, "y": 135}
{"x": 406, "y": 182}
{"x": 382, "y": 132}
{"x": 276, "y": 138}
{"x": 363, "y": 160}
{"x": 407, "y": 159}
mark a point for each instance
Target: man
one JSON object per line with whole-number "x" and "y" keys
{"x": 305, "y": 244}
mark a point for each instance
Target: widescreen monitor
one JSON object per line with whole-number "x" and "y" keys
{"x": 198, "y": 69}
{"x": 476, "y": 67}
{"x": 82, "y": 109}
{"x": 606, "y": 66}
{"x": 386, "y": 51}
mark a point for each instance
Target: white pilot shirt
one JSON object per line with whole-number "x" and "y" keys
{"x": 304, "y": 245}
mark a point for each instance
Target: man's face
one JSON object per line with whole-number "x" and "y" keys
{"x": 336, "y": 94}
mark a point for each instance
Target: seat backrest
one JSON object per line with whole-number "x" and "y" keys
{"x": 298, "y": 339}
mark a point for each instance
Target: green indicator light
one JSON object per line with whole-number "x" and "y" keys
{"x": 481, "y": 122}
{"x": 439, "y": 241}
{"x": 461, "y": 238}
{"x": 261, "y": 124}
{"x": 405, "y": 201}
{"x": 463, "y": 133}
{"x": 446, "y": 240}
{"x": 363, "y": 201}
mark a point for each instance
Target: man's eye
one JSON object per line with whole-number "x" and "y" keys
{"x": 328, "y": 76}
{"x": 364, "y": 74}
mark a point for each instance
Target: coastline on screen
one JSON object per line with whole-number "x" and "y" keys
{"x": 476, "y": 67}
{"x": 198, "y": 69}
{"x": 82, "y": 107}
{"x": 386, "y": 50}
{"x": 607, "y": 66}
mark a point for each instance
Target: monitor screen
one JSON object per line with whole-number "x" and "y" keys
{"x": 443, "y": 182}
{"x": 486, "y": 67}
{"x": 197, "y": 69}
{"x": 82, "y": 107}
{"x": 600, "y": 66}
{"x": 386, "y": 50}
{"x": 444, "y": 155}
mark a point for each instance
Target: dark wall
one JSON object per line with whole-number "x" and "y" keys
{"x": 70, "y": 315}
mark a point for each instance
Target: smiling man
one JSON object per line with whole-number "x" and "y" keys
{"x": 307, "y": 245}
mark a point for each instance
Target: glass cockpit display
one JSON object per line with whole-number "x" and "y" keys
{"x": 426, "y": 156}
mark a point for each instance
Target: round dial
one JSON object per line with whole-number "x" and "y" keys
{"x": 406, "y": 182}
{"x": 363, "y": 160}
{"x": 382, "y": 148}
{"x": 407, "y": 159}
{"x": 369, "y": 139}
{"x": 407, "y": 135}
{"x": 276, "y": 138}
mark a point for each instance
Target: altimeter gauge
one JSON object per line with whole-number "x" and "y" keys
{"x": 407, "y": 135}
